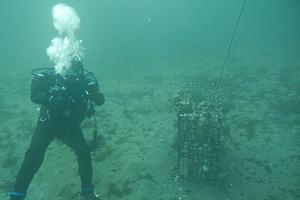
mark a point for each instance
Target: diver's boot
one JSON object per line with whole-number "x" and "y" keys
{"x": 17, "y": 195}
{"x": 89, "y": 194}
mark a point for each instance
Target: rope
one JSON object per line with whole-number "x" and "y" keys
{"x": 227, "y": 55}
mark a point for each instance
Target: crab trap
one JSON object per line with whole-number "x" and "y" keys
{"x": 200, "y": 122}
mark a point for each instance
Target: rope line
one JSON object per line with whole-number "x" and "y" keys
{"x": 227, "y": 54}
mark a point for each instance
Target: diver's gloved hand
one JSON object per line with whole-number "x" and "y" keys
{"x": 60, "y": 103}
{"x": 99, "y": 99}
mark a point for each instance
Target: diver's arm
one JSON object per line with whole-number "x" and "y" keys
{"x": 98, "y": 98}
{"x": 39, "y": 92}
{"x": 94, "y": 93}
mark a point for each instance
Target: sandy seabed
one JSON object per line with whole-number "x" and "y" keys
{"x": 261, "y": 90}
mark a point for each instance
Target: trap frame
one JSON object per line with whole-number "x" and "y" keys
{"x": 200, "y": 123}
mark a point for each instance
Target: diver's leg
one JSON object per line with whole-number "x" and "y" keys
{"x": 75, "y": 140}
{"x": 34, "y": 156}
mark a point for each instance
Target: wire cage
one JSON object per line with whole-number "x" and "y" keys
{"x": 200, "y": 122}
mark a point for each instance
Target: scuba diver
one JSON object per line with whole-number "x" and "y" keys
{"x": 65, "y": 101}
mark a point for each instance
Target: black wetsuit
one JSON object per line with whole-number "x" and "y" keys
{"x": 64, "y": 104}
